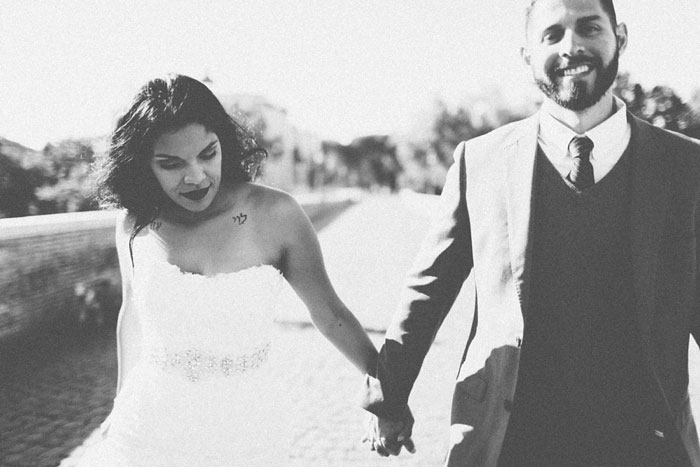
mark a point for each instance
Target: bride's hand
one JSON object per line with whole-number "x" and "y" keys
{"x": 386, "y": 437}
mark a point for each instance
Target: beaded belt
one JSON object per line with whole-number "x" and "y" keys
{"x": 195, "y": 364}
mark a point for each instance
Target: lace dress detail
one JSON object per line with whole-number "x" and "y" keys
{"x": 204, "y": 392}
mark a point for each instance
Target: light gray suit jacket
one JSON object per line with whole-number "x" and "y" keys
{"x": 484, "y": 227}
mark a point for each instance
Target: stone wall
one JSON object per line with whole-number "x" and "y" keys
{"x": 42, "y": 258}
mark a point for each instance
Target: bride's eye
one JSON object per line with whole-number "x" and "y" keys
{"x": 169, "y": 165}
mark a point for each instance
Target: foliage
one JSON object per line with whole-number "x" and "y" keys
{"x": 450, "y": 128}
{"x": 16, "y": 189}
{"x": 660, "y": 106}
{"x": 423, "y": 172}
{"x": 69, "y": 194}
{"x": 57, "y": 179}
{"x": 256, "y": 122}
{"x": 66, "y": 184}
{"x": 427, "y": 165}
{"x": 476, "y": 117}
{"x": 97, "y": 300}
{"x": 367, "y": 162}
{"x": 380, "y": 166}
{"x": 44, "y": 182}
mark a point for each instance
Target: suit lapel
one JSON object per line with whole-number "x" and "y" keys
{"x": 520, "y": 175}
{"x": 649, "y": 203}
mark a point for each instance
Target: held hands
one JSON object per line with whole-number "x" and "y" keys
{"x": 386, "y": 437}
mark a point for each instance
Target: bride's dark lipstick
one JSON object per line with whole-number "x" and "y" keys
{"x": 196, "y": 195}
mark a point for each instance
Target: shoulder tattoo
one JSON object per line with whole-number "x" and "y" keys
{"x": 240, "y": 219}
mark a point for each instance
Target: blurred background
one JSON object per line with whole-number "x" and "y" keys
{"x": 340, "y": 93}
{"x": 359, "y": 104}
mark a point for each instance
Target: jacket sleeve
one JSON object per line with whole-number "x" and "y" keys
{"x": 695, "y": 312}
{"x": 695, "y": 318}
{"x": 431, "y": 287}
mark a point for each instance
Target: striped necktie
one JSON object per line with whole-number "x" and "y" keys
{"x": 581, "y": 175}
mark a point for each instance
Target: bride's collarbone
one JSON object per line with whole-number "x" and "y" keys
{"x": 211, "y": 255}
{"x": 211, "y": 232}
{"x": 218, "y": 246}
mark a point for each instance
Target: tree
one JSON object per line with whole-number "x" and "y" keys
{"x": 254, "y": 119}
{"x": 660, "y": 106}
{"x": 367, "y": 162}
{"x": 65, "y": 181}
{"x": 478, "y": 116}
{"x": 378, "y": 164}
{"x": 16, "y": 189}
{"x": 451, "y": 128}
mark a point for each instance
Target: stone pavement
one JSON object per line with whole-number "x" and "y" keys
{"x": 368, "y": 250}
{"x": 54, "y": 390}
{"x": 51, "y": 400}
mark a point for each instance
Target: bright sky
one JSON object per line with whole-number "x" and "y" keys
{"x": 341, "y": 68}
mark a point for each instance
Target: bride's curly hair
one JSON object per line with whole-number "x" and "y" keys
{"x": 123, "y": 176}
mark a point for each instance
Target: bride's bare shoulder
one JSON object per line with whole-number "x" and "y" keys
{"x": 278, "y": 208}
{"x": 124, "y": 222}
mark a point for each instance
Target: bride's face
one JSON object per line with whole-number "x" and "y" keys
{"x": 187, "y": 164}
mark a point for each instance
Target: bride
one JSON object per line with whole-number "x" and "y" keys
{"x": 203, "y": 253}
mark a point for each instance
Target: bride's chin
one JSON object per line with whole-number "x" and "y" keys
{"x": 192, "y": 211}
{"x": 180, "y": 213}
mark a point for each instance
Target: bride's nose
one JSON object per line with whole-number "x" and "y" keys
{"x": 194, "y": 175}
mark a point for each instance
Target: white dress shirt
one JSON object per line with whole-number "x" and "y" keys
{"x": 610, "y": 139}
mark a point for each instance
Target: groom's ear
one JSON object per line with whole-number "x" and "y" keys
{"x": 525, "y": 55}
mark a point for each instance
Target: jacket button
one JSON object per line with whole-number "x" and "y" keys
{"x": 508, "y": 405}
{"x": 659, "y": 434}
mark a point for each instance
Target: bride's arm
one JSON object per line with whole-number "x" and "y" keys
{"x": 305, "y": 271}
{"x": 128, "y": 330}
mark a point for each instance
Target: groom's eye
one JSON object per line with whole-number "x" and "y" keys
{"x": 589, "y": 29}
{"x": 552, "y": 36}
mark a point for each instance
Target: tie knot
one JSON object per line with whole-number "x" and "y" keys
{"x": 580, "y": 147}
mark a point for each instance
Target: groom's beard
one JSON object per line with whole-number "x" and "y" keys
{"x": 576, "y": 95}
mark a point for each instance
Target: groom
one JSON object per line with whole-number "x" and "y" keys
{"x": 581, "y": 228}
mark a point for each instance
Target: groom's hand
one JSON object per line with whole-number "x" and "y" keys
{"x": 386, "y": 437}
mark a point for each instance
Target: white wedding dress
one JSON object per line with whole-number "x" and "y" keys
{"x": 204, "y": 392}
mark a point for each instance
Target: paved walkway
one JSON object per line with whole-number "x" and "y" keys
{"x": 368, "y": 250}
{"x": 63, "y": 394}
{"x": 54, "y": 391}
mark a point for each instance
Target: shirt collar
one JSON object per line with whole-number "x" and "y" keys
{"x": 610, "y": 138}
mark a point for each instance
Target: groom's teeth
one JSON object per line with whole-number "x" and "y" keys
{"x": 575, "y": 71}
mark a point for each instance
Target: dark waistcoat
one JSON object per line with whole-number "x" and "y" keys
{"x": 581, "y": 397}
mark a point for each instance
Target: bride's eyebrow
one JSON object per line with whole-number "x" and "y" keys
{"x": 208, "y": 147}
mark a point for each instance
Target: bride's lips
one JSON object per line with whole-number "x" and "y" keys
{"x": 196, "y": 195}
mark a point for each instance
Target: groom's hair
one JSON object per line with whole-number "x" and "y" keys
{"x": 607, "y": 5}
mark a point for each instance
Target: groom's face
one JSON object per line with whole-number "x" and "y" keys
{"x": 573, "y": 50}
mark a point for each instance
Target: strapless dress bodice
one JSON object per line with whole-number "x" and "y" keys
{"x": 206, "y": 325}
{"x": 204, "y": 392}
